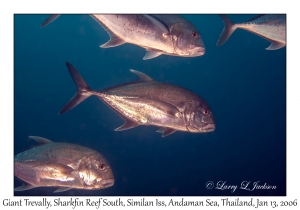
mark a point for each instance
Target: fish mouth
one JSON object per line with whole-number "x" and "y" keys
{"x": 209, "y": 127}
{"x": 197, "y": 50}
{"x": 201, "y": 51}
{"x": 107, "y": 183}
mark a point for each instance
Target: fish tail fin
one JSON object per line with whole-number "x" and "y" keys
{"x": 83, "y": 90}
{"x": 49, "y": 20}
{"x": 229, "y": 28}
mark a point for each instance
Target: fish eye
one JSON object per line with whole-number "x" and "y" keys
{"x": 102, "y": 166}
{"x": 205, "y": 112}
{"x": 194, "y": 34}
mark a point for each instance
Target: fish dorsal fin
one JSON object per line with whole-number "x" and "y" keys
{"x": 158, "y": 23}
{"x": 24, "y": 186}
{"x": 152, "y": 54}
{"x": 62, "y": 189}
{"x": 114, "y": 39}
{"x": 127, "y": 125}
{"x": 49, "y": 20}
{"x": 40, "y": 140}
{"x": 166, "y": 131}
{"x": 142, "y": 77}
{"x": 275, "y": 45}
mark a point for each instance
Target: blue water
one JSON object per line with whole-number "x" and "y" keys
{"x": 244, "y": 84}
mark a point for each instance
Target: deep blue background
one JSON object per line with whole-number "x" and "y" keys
{"x": 244, "y": 84}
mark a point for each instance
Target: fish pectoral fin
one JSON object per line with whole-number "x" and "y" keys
{"x": 62, "y": 168}
{"x": 159, "y": 24}
{"x": 127, "y": 125}
{"x": 166, "y": 107}
{"x": 40, "y": 140}
{"x": 275, "y": 45}
{"x": 142, "y": 77}
{"x": 62, "y": 189}
{"x": 166, "y": 131}
{"x": 152, "y": 54}
{"x": 113, "y": 42}
{"x": 24, "y": 186}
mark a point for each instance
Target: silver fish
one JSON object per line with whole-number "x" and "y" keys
{"x": 147, "y": 102}
{"x": 158, "y": 34}
{"x": 270, "y": 27}
{"x": 63, "y": 165}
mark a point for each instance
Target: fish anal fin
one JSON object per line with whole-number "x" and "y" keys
{"x": 161, "y": 130}
{"x": 152, "y": 54}
{"x": 275, "y": 45}
{"x": 142, "y": 77}
{"x": 168, "y": 131}
{"x": 127, "y": 125}
{"x": 113, "y": 42}
{"x": 62, "y": 189}
{"x": 40, "y": 140}
{"x": 24, "y": 186}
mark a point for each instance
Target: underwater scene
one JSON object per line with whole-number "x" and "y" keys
{"x": 150, "y": 105}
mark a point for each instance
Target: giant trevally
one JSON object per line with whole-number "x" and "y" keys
{"x": 158, "y": 34}
{"x": 270, "y": 27}
{"x": 148, "y": 102}
{"x": 63, "y": 165}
